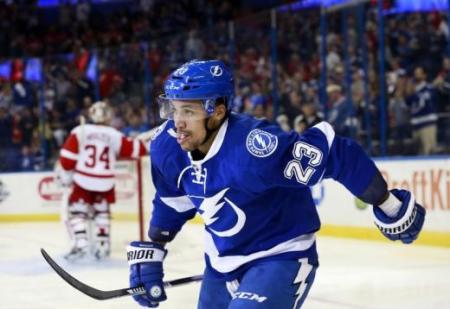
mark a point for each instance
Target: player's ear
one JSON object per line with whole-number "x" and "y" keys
{"x": 220, "y": 112}
{"x": 217, "y": 117}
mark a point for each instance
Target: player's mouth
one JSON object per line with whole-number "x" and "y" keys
{"x": 182, "y": 137}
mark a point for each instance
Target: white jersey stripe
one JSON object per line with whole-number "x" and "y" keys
{"x": 225, "y": 264}
{"x": 68, "y": 154}
{"x": 328, "y": 131}
{"x": 135, "y": 153}
{"x": 424, "y": 119}
{"x": 180, "y": 203}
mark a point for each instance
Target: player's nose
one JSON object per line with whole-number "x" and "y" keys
{"x": 179, "y": 123}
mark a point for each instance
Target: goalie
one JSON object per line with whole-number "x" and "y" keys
{"x": 87, "y": 166}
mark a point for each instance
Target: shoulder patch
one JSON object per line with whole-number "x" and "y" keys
{"x": 261, "y": 143}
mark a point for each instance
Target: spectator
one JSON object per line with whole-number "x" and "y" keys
{"x": 27, "y": 160}
{"x": 28, "y": 123}
{"x": 5, "y": 94}
{"x": 83, "y": 10}
{"x": 291, "y": 104}
{"x": 399, "y": 112}
{"x": 135, "y": 126}
{"x": 5, "y": 127}
{"x": 423, "y": 114}
{"x": 23, "y": 94}
{"x": 283, "y": 122}
{"x": 340, "y": 115}
{"x": 194, "y": 48}
{"x": 258, "y": 104}
{"x": 308, "y": 118}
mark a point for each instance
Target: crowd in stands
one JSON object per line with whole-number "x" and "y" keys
{"x": 138, "y": 47}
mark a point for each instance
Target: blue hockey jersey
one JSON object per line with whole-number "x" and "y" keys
{"x": 252, "y": 188}
{"x": 422, "y": 106}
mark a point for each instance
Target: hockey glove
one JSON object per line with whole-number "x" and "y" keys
{"x": 145, "y": 260}
{"x": 408, "y": 222}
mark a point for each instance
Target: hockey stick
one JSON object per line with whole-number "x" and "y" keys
{"x": 102, "y": 295}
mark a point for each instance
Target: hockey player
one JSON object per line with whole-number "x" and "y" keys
{"x": 87, "y": 159}
{"x": 249, "y": 181}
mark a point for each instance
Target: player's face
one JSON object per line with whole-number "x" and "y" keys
{"x": 189, "y": 118}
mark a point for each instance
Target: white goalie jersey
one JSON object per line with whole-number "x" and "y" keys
{"x": 91, "y": 151}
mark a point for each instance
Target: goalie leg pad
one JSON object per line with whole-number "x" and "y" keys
{"x": 102, "y": 221}
{"x": 78, "y": 225}
{"x": 408, "y": 223}
{"x": 78, "y": 217}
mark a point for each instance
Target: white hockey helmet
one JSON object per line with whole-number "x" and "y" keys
{"x": 100, "y": 112}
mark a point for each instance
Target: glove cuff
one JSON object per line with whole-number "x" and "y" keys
{"x": 404, "y": 218}
{"x": 145, "y": 252}
{"x": 391, "y": 206}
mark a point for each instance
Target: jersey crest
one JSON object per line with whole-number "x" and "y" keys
{"x": 210, "y": 207}
{"x": 261, "y": 143}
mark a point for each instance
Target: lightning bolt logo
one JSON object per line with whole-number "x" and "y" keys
{"x": 216, "y": 70}
{"x": 261, "y": 141}
{"x": 211, "y": 205}
{"x": 303, "y": 273}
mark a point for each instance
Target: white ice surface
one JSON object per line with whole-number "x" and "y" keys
{"x": 352, "y": 274}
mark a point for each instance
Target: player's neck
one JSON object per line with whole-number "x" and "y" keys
{"x": 203, "y": 149}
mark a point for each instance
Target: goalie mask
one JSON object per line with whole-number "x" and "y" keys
{"x": 204, "y": 81}
{"x": 100, "y": 112}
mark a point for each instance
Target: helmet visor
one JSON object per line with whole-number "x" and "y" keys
{"x": 181, "y": 109}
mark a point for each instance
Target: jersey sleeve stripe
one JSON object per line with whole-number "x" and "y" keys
{"x": 94, "y": 175}
{"x": 136, "y": 148}
{"x": 180, "y": 203}
{"x": 328, "y": 131}
{"x": 68, "y": 154}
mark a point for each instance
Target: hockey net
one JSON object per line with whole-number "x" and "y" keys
{"x": 133, "y": 195}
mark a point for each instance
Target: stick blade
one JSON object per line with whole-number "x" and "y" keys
{"x": 86, "y": 289}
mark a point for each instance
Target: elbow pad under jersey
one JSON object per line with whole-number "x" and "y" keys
{"x": 161, "y": 235}
{"x": 376, "y": 192}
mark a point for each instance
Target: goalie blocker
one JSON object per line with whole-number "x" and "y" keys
{"x": 407, "y": 224}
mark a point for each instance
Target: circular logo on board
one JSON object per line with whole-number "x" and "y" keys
{"x": 261, "y": 143}
{"x": 155, "y": 291}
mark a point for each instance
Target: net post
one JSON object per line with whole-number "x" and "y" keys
{"x": 140, "y": 199}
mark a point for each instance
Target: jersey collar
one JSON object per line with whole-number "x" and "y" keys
{"x": 215, "y": 146}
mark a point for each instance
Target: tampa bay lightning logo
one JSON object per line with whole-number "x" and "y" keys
{"x": 216, "y": 70}
{"x": 261, "y": 143}
{"x": 210, "y": 207}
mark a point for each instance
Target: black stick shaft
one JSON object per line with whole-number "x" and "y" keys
{"x": 102, "y": 295}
